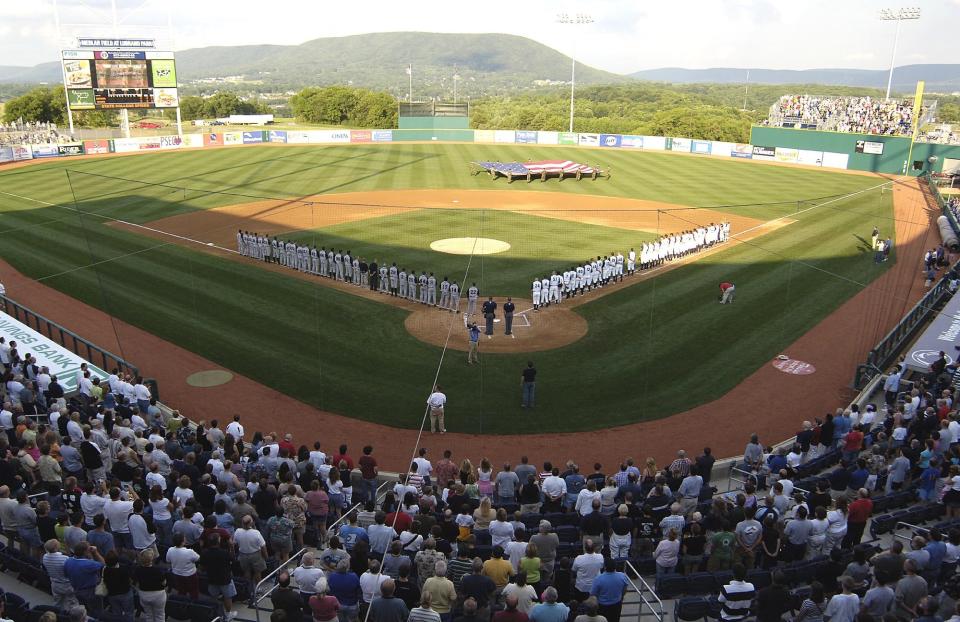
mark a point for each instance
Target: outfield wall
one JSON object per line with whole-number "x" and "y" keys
{"x": 863, "y": 152}
{"x": 808, "y": 147}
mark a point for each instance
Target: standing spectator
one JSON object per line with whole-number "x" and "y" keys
{"x": 911, "y": 589}
{"x": 151, "y": 585}
{"x": 585, "y": 568}
{"x": 425, "y": 613}
{"x": 858, "y": 513}
{"x": 369, "y": 469}
{"x": 217, "y": 562}
{"x": 845, "y": 606}
{"x": 774, "y": 600}
{"x": 53, "y": 562}
{"x": 183, "y": 564}
{"x": 439, "y": 593}
{"x": 609, "y": 588}
{"x": 388, "y": 608}
{"x": 285, "y": 599}
{"x": 549, "y": 610}
{"x": 324, "y": 608}
{"x": 737, "y": 596}
{"x": 749, "y": 534}
{"x": 506, "y": 485}
{"x": 83, "y": 571}
{"x": 251, "y": 550}
{"x": 667, "y": 553}
{"x": 345, "y": 586}
{"x": 812, "y": 608}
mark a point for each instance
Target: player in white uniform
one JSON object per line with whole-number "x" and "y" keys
{"x": 444, "y": 293}
{"x": 394, "y": 279}
{"x": 338, "y": 265}
{"x": 422, "y": 282}
{"x": 472, "y": 295}
{"x": 618, "y": 270}
{"x": 402, "y": 283}
{"x": 291, "y": 255}
{"x": 412, "y": 285}
{"x": 432, "y": 290}
{"x": 331, "y": 267}
{"x": 274, "y": 251}
{"x": 347, "y": 266}
{"x": 314, "y": 260}
{"x": 454, "y": 298}
{"x": 322, "y": 258}
{"x": 581, "y": 275}
{"x": 241, "y": 247}
{"x": 356, "y": 271}
{"x": 545, "y": 292}
{"x": 536, "y": 294}
{"x": 555, "y": 281}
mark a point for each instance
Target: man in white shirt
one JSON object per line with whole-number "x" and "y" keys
{"x": 118, "y": 511}
{"x": 306, "y": 575}
{"x": 501, "y": 531}
{"x": 584, "y": 502}
{"x": 234, "y": 429}
{"x": 142, "y": 395}
{"x": 585, "y": 569}
{"x": 424, "y": 468}
{"x": 554, "y": 489}
{"x": 436, "y": 403}
{"x": 891, "y": 386}
{"x": 74, "y": 429}
{"x": 139, "y": 533}
{"x": 252, "y": 550}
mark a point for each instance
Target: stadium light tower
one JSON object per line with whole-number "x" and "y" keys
{"x": 897, "y": 15}
{"x": 574, "y": 20}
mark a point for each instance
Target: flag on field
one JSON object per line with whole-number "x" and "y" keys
{"x": 550, "y": 167}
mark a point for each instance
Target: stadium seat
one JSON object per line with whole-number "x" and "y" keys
{"x": 691, "y": 608}
{"x": 759, "y": 578}
{"x": 483, "y": 537}
{"x": 701, "y": 583}
{"x": 568, "y": 533}
{"x": 671, "y": 586}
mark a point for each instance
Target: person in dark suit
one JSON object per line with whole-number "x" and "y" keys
{"x": 286, "y": 599}
{"x": 374, "y": 276}
{"x": 489, "y": 313}
{"x": 508, "y": 308}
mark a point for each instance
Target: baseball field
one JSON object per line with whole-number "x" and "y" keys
{"x": 149, "y": 239}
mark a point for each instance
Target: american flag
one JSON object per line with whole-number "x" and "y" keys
{"x": 551, "y": 167}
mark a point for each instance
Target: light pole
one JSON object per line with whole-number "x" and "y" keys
{"x": 573, "y": 19}
{"x": 456, "y": 77}
{"x": 897, "y": 15}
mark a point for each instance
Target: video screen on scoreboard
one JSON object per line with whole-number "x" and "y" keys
{"x": 115, "y": 79}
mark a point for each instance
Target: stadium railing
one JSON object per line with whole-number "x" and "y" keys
{"x": 96, "y": 355}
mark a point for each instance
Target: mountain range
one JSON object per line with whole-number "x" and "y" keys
{"x": 486, "y": 64}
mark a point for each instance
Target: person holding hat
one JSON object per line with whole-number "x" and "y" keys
{"x": 474, "y": 334}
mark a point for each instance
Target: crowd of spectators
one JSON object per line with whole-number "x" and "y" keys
{"x": 865, "y": 115}
{"x": 31, "y": 133}
{"x": 121, "y": 502}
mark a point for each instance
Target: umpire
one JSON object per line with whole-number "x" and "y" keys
{"x": 489, "y": 313}
{"x": 508, "y": 308}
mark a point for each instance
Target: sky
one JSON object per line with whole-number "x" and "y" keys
{"x": 625, "y": 36}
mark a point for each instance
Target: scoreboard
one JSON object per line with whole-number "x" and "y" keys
{"x": 115, "y": 79}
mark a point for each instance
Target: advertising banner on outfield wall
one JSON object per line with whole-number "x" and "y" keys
{"x": 250, "y": 138}
{"x": 6, "y": 153}
{"x": 125, "y": 145}
{"x": 298, "y": 137}
{"x": 764, "y": 153}
{"x": 814, "y": 158}
{"x": 526, "y": 137}
{"x": 680, "y": 144}
{"x": 233, "y": 138}
{"x": 742, "y": 151}
{"x": 484, "y": 136}
{"x": 548, "y": 138}
{"x": 869, "y": 147}
{"x": 278, "y": 136}
{"x": 72, "y": 149}
{"x": 610, "y": 140}
{"x": 22, "y": 152}
{"x": 62, "y": 362}
{"x": 330, "y": 136}
{"x": 631, "y": 142}
{"x": 212, "y": 140}
{"x": 382, "y": 136}
{"x": 835, "y": 160}
{"x": 568, "y": 138}
{"x": 171, "y": 142}
{"x": 45, "y": 151}
{"x": 720, "y": 148}
{"x": 360, "y": 136}
{"x": 658, "y": 143}
{"x": 504, "y": 136}
{"x": 701, "y": 146}
{"x": 151, "y": 143}
{"x": 786, "y": 154}
{"x": 192, "y": 140}
{"x": 589, "y": 140}
{"x": 96, "y": 146}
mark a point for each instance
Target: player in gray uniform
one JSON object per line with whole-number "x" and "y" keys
{"x": 356, "y": 270}
{"x": 472, "y": 295}
{"x": 422, "y": 282}
{"x": 322, "y": 257}
{"x": 241, "y": 245}
{"x": 555, "y": 281}
{"x": 454, "y": 298}
{"x": 265, "y": 248}
{"x": 444, "y": 293}
{"x": 412, "y": 285}
{"x": 314, "y": 261}
{"x": 347, "y": 266}
{"x": 545, "y": 292}
{"x": 338, "y": 265}
{"x": 535, "y": 293}
{"x": 274, "y": 251}
{"x": 331, "y": 266}
{"x": 291, "y": 254}
{"x": 394, "y": 280}
{"x": 402, "y": 282}
{"x": 567, "y": 276}
{"x": 432, "y": 290}
{"x": 384, "y": 280}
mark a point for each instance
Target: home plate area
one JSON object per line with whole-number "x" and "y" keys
{"x": 532, "y": 331}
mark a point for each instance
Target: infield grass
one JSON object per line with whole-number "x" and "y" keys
{"x": 656, "y": 348}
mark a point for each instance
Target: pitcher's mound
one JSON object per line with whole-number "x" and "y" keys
{"x": 469, "y": 246}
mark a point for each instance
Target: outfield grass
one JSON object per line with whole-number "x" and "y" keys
{"x": 657, "y": 348}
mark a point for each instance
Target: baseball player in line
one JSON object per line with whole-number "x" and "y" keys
{"x": 472, "y": 295}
